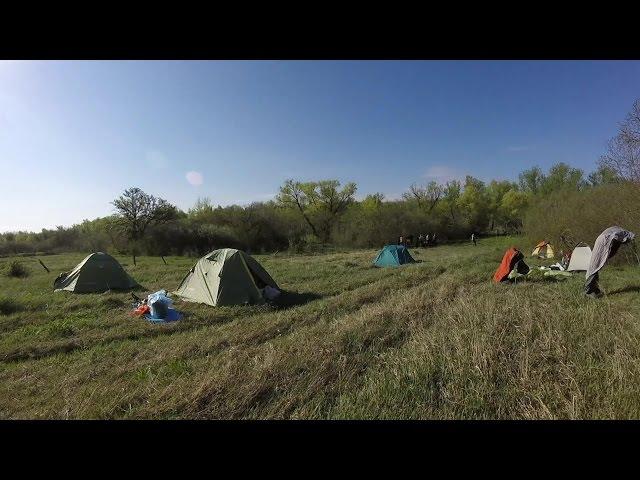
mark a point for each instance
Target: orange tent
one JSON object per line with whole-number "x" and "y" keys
{"x": 510, "y": 258}
{"x": 543, "y": 250}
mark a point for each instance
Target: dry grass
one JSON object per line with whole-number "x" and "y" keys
{"x": 431, "y": 340}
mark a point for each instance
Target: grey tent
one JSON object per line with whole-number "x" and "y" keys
{"x": 98, "y": 272}
{"x": 580, "y": 258}
{"x": 225, "y": 277}
{"x": 605, "y": 247}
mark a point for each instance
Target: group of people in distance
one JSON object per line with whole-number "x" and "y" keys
{"x": 422, "y": 240}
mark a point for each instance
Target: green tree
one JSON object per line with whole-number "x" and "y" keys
{"x": 474, "y": 202}
{"x": 320, "y": 203}
{"x": 496, "y": 191}
{"x": 530, "y": 181}
{"x": 202, "y": 210}
{"x": 603, "y": 176}
{"x": 513, "y": 205}
{"x": 372, "y": 203}
{"x": 451, "y": 195}
{"x": 562, "y": 177}
{"x": 136, "y": 211}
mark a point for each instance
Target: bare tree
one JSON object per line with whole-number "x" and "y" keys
{"x": 293, "y": 194}
{"x": 427, "y": 196}
{"x": 137, "y": 211}
{"x": 623, "y": 150}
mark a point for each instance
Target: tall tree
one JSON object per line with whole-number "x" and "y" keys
{"x": 602, "y": 176}
{"x": 202, "y": 210}
{"x": 427, "y": 196}
{"x": 531, "y": 180}
{"x": 623, "y": 151}
{"x": 513, "y": 205}
{"x": 562, "y": 177}
{"x": 474, "y": 202}
{"x": 320, "y": 203}
{"x": 136, "y": 211}
{"x": 451, "y": 195}
{"x": 372, "y": 202}
{"x": 496, "y": 190}
{"x": 294, "y": 194}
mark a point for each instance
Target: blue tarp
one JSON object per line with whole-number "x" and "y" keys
{"x": 161, "y": 311}
{"x": 172, "y": 316}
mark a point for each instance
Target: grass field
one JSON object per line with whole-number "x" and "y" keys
{"x": 432, "y": 340}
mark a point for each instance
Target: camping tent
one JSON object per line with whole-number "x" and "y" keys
{"x": 543, "y": 250}
{"x": 580, "y": 258}
{"x": 512, "y": 258}
{"x": 225, "y": 277}
{"x": 393, "y": 256}
{"x": 98, "y": 272}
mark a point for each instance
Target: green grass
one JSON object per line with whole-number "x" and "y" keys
{"x": 432, "y": 340}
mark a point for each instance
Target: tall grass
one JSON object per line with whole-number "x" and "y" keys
{"x": 435, "y": 339}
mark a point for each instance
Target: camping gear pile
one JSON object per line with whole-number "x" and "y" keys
{"x": 555, "y": 271}
{"x": 156, "y": 308}
{"x": 512, "y": 266}
{"x": 581, "y": 258}
{"x": 393, "y": 256}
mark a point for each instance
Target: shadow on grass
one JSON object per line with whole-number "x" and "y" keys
{"x": 294, "y": 299}
{"x": 630, "y": 288}
{"x": 9, "y": 306}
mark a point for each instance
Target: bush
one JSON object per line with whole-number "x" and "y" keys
{"x": 16, "y": 269}
{"x": 306, "y": 244}
{"x": 8, "y": 306}
{"x": 580, "y": 216}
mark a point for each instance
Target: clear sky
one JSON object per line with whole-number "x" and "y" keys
{"x": 74, "y": 135}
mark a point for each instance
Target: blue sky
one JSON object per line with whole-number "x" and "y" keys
{"x": 74, "y": 135}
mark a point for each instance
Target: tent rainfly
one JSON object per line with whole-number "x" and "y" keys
{"x": 225, "y": 277}
{"x": 98, "y": 272}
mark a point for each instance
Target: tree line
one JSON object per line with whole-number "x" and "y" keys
{"x": 307, "y": 216}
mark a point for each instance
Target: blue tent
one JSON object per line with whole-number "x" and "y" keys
{"x": 393, "y": 256}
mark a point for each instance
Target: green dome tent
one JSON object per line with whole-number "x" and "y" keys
{"x": 98, "y": 272}
{"x": 225, "y": 277}
{"x": 393, "y": 256}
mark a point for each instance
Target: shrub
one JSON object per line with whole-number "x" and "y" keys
{"x": 580, "y": 216}
{"x": 307, "y": 244}
{"x": 16, "y": 269}
{"x": 9, "y": 306}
